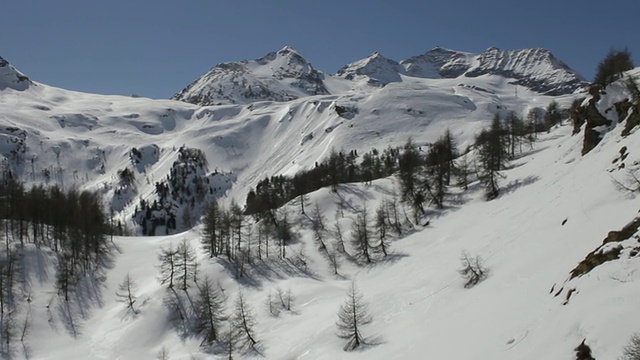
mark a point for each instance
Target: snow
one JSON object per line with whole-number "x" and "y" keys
{"x": 420, "y": 307}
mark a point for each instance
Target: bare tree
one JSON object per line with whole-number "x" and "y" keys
{"x": 244, "y": 322}
{"x": 230, "y": 340}
{"x": 381, "y": 223}
{"x": 210, "y": 311}
{"x": 352, "y": 316}
{"x": 185, "y": 263}
{"x": 126, "y": 293}
{"x": 168, "y": 263}
{"x": 334, "y": 258}
{"x": 287, "y": 299}
{"x": 271, "y": 303}
{"x": 472, "y": 270}
{"x": 394, "y": 213}
{"x": 163, "y": 354}
{"x": 338, "y": 234}
{"x": 361, "y": 234}
{"x": 318, "y": 226}
{"x": 463, "y": 172}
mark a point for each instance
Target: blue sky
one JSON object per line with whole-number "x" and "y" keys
{"x": 157, "y": 47}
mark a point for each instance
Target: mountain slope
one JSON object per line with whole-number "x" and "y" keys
{"x": 69, "y": 138}
{"x": 556, "y": 207}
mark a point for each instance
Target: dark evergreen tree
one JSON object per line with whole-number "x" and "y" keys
{"x": 211, "y": 222}
{"x": 492, "y": 156}
{"x": 553, "y": 115}
{"x": 631, "y": 351}
{"x": 612, "y": 66}
{"x": 408, "y": 166}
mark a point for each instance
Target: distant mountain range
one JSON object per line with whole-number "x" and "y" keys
{"x": 285, "y": 75}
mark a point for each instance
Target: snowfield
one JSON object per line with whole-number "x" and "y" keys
{"x": 555, "y": 207}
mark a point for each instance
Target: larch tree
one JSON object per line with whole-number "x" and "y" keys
{"x": 168, "y": 264}
{"x": 244, "y": 323}
{"x": 209, "y": 309}
{"x": 127, "y": 293}
{"x": 361, "y": 235}
{"x": 492, "y": 156}
{"x": 352, "y": 316}
{"x": 186, "y": 264}
{"x": 211, "y": 222}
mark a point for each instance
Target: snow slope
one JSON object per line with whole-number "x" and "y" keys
{"x": 420, "y": 307}
{"x": 51, "y": 135}
{"x": 417, "y": 298}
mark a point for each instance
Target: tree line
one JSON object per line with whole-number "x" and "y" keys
{"x": 339, "y": 168}
{"x": 71, "y": 224}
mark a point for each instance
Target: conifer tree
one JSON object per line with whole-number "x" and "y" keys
{"x": 493, "y": 155}
{"x": 244, "y": 323}
{"x": 168, "y": 264}
{"x": 209, "y": 308}
{"x": 353, "y": 315}
{"x": 127, "y": 293}
{"x": 361, "y": 234}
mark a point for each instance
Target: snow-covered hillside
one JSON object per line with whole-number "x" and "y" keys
{"x": 55, "y": 136}
{"x": 555, "y": 208}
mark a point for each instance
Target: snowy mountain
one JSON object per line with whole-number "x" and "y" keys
{"x": 536, "y": 69}
{"x": 438, "y": 62}
{"x": 285, "y": 75}
{"x": 278, "y": 76}
{"x": 558, "y": 211}
{"x": 375, "y": 69}
{"x": 12, "y": 78}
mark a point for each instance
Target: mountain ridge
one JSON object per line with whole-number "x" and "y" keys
{"x": 285, "y": 75}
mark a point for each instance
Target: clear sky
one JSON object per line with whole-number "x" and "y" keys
{"x": 157, "y": 47}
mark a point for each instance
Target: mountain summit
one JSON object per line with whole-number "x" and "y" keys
{"x": 285, "y": 75}
{"x": 278, "y": 76}
{"x": 11, "y": 78}
{"x": 377, "y": 69}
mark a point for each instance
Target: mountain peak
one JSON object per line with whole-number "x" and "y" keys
{"x": 376, "y": 69}
{"x": 11, "y": 78}
{"x": 535, "y": 68}
{"x": 288, "y": 50}
{"x": 277, "y": 76}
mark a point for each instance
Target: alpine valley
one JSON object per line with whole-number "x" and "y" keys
{"x": 211, "y": 179}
